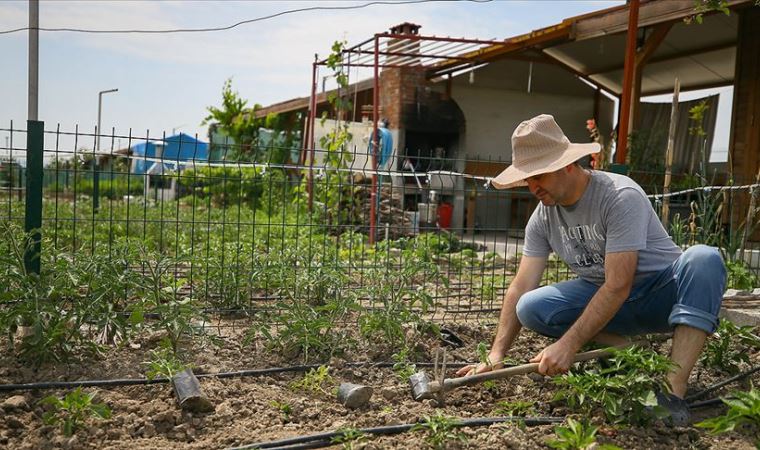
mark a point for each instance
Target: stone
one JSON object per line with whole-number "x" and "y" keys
{"x": 388, "y": 393}
{"x": 14, "y": 423}
{"x": 17, "y": 402}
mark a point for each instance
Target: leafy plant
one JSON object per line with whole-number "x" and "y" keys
{"x": 349, "y": 437}
{"x": 440, "y": 430}
{"x": 483, "y": 350}
{"x": 315, "y": 381}
{"x": 740, "y": 276}
{"x": 283, "y": 407}
{"x": 743, "y": 411}
{"x": 516, "y": 408}
{"x": 577, "y": 436}
{"x": 624, "y": 388}
{"x": 401, "y": 365}
{"x": 73, "y": 409}
{"x": 396, "y": 305}
{"x": 729, "y": 346}
{"x": 163, "y": 363}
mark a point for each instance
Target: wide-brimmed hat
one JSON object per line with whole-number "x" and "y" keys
{"x": 539, "y": 146}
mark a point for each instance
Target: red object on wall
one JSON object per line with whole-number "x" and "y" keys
{"x": 444, "y": 215}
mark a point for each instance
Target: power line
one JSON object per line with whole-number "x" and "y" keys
{"x": 243, "y": 22}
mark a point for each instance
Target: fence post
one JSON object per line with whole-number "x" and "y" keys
{"x": 33, "y": 217}
{"x": 95, "y": 186}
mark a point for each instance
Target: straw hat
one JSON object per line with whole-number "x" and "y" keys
{"x": 539, "y": 146}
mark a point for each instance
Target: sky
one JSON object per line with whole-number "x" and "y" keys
{"x": 166, "y": 81}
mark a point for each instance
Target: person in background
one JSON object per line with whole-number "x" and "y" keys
{"x": 632, "y": 278}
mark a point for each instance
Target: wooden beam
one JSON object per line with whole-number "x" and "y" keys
{"x": 580, "y": 74}
{"x": 643, "y": 54}
{"x": 628, "y": 79}
{"x": 662, "y": 58}
{"x": 653, "y": 42}
{"x": 693, "y": 87}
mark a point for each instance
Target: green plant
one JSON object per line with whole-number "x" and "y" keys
{"x": 349, "y": 437}
{"x": 743, "y": 411}
{"x": 577, "y": 436}
{"x": 315, "y": 381}
{"x": 284, "y": 408}
{"x": 394, "y": 317}
{"x": 163, "y": 363}
{"x": 729, "y": 346}
{"x": 401, "y": 365}
{"x": 516, "y": 408}
{"x": 483, "y": 350}
{"x": 740, "y": 276}
{"x": 73, "y": 409}
{"x": 440, "y": 429}
{"x": 624, "y": 388}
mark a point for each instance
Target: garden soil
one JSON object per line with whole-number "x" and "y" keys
{"x": 248, "y": 409}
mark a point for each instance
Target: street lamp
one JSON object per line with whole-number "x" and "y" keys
{"x": 95, "y": 176}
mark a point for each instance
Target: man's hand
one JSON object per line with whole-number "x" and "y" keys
{"x": 495, "y": 362}
{"x": 555, "y": 359}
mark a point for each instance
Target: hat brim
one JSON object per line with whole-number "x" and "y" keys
{"x": 515, "y": 175}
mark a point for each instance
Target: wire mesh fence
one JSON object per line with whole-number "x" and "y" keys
{"x": 242, "y": 230}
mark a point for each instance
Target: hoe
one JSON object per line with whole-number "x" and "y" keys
{"x": 425, "y": 388}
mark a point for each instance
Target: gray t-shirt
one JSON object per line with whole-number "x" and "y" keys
{"x": 612, "y": 215}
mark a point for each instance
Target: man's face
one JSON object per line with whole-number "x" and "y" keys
{"x": 550, "y": 188}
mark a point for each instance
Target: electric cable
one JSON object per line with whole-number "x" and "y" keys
{"x": 242, "y": 22}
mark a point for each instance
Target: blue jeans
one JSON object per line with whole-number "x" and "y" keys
{"x": 688, "y": 292}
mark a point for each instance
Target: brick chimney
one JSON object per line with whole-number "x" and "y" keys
{"x": 398, "y": 85}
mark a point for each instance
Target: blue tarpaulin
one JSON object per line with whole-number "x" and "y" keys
{"x": 177, "y": 148}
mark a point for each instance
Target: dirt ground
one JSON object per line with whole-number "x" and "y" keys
{"x": 246, "y": 412}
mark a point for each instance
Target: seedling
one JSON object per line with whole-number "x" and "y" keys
{"x": 729, "y": 346}
{"x": 164, "y": 363}
{"x": 401, "y": 365}
{"x": 743, "y": 410}
{"x": 73, "y": 409}
{"x": 440, "y": 430}
{"x": 284, "y": 408}
{"x": 577, "y": 436}
{"x": 349, "y": 437}
{"x": 314, "y": 381}
{"x": 482, "y": 350}
{"x": 515, "y": 409}
{"x": 624, "y": 389}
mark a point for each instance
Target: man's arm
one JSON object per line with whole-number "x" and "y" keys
{"x": 528, "y": 277}
{"x": 619, "y": 269}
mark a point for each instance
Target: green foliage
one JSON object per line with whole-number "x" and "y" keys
{"x": 164, "y": 363}
{"x": 397, "y": 306}
{"x": 255, "y": 187}
{"x": 514, "y": 409}
{"x": 284, "y": 408}
{"x": 729, "y": 346}
{"x": 740, "y": 276}
{"x": 743, "y": 412}
{"x": 624, "y": 388}
{"x": 577, "y": 436}
{"x": 701, "y": 7}
{"x": 349, "y": 437}
{"x": 73, "y": 409}
{"x": 402, "y": 367}
{"x": 483, "y": 350}
{"x": 315, "y": 381}
{"x": 441, "y": 430}
{"x": 235, "y": 120}
{"x": 113, "y": 189}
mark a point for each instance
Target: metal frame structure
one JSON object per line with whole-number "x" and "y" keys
{"x": 438, "y": 55}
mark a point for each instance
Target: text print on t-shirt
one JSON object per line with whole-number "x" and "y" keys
{"x": 584, "y": 243}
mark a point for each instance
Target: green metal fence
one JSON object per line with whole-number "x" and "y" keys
{"x": 243, "y": 235}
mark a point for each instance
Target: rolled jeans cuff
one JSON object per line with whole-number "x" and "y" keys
{"x": 693, "y": 317}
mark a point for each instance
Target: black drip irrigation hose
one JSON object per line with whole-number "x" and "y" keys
{"x": 159, "y": 380}
{"x": 326, "y": 439}
{"x": 719, "y": 385}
